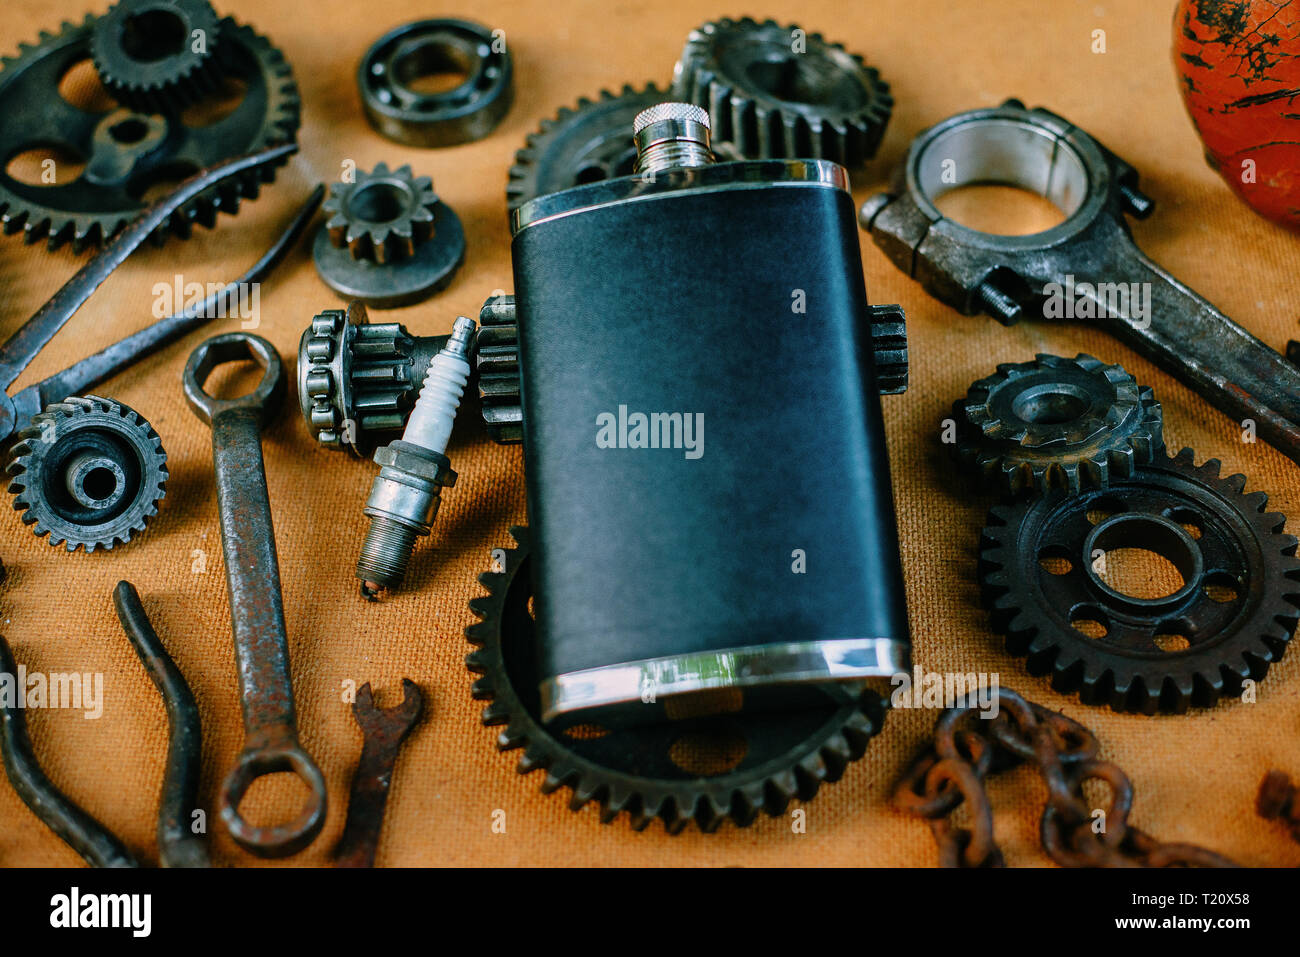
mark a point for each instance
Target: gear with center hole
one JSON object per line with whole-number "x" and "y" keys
{"x": 1056, "y": 423}
{"x": 786, "y": 755}
{"x": 586, "y": 144}
{"x": 89, "y": 472}
{"x": 1046, "y": 569}
{"x": 156, "y": 56}
{"x": 387, "y": 239}
{"x": 772, "y": 98}
{"x": 131, "y": 157}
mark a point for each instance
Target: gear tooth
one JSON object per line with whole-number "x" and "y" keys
{"x": 511, "y": 737}
{"x": 495, "y": 713}
{"x": 1237, "y": 483}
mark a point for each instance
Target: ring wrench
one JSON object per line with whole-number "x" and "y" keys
{"x": 256, "y": 607}
{"x": 1090, "y": 257}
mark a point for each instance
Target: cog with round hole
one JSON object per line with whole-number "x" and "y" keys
{"x": 1042, "y": 573}
{"x": 87, "y": 472}
{"x": 779, "y": 92}
{"x": 1056, "y": 423}
{"x": 156, "y": 56}
{"x": 129, "y": 155}
{"x": 387, "y": 239}
{"x": 787, "y": 754}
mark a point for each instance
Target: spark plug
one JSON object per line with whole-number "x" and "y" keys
{"x": 414, "y": 469}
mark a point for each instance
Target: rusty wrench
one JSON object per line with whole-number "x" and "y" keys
{"x": 256, "y": 606}
{"x": 384, "y": 730}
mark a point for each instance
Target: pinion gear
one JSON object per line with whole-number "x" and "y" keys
{"x": 89, "y": 472}
{"x": 381, "y": 215}
{"x": 1056, "y": 423}
{"x": 157, "y": 56}
{"x": 772, "y": 100}
{"x": 787, "y": 754}
{"x": 128, "y": 154}
{"x": 1042, "y": 573}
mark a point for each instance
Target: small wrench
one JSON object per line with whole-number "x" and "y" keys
{"x": 256, "y": 607}
{"x": 1090, "y": 257}
{"x": 384, "y": 729}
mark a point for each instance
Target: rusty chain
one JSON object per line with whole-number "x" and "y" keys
{"x": 953, "y": 770}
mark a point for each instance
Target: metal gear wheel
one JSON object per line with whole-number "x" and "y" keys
{"x": 358, "y": 380}
{"x": 129, "y": 153}
{"x": 1043, "y": 567}
{"x": 1056, "y": 423}
{"x": 787, "y": 754}
{"x": 772, "y": 99}
{"x": 387, "y": 239}
{"x": 157, "y": 56}
{"x": 586, "y": 144}
{"x": 89, "y": 472}
{"x": 496, "y": 360}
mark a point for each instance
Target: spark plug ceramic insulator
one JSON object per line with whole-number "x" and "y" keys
{"x": 413, "y": 470}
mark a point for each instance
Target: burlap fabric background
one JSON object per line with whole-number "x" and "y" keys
{"x": 1195, "y": 776}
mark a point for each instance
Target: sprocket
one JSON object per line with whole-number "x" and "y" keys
{"x": 787, "y": 754}
{"x": 1056, "y": 423}
{"x": 88, "y": 471}
{"x": 128, "y": 154}
{"x": 157, "y": 56}
{"x": 779, "y": 92}
{"x": 1043, "y": 574}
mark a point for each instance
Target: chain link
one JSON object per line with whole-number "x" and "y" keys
{"x": 952, "y": 772}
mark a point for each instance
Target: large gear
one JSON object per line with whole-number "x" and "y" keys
{"x": 788, "y": 754}
{"x": 89, "y": 472}
{"x": 157, "y": 56}
{"x": 777, "y": 92}
{"x": 1056, "y": 423}
{"x": 586, "y": 144}
{"x": 1043, "y": 566}
{"x": 128, "y": 153}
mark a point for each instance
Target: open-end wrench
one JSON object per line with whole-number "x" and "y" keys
{"x": 1089, "y": 263}
{"x": 384, "y": 730}
{"x": 256, "y": 607}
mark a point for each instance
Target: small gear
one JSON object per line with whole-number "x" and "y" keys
{"x": 89, "y": 472}
{"x": 357, "y": 379}
{"x": 157, "y": 56}
{"x": 787, "y": 754}
{"x": 126, "y": 153}
{"x": 497, "y": 364}
{"x": 1043, "y": 573}
{"x": 388, "y": 240}
{"x": 777, "y": 92}
{"x": 1056, "y": 423}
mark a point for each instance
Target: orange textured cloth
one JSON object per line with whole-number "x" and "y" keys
{"x": 1195, "y": 776}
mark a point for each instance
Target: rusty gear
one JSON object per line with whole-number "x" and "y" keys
{"x": 388, "y": 240}
{"x": 496, "y": 359}
{"x": 157, "y": 56}
{"x": 1041, "y": 574}
{"x": 771, "y": 99}
{"x": 129, "y": 153}
{"x": 787, "y": 754}
{"x": 1056, "y": 423}
{"x": 586, "y": 144}
{"x": 89, "y": 472}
